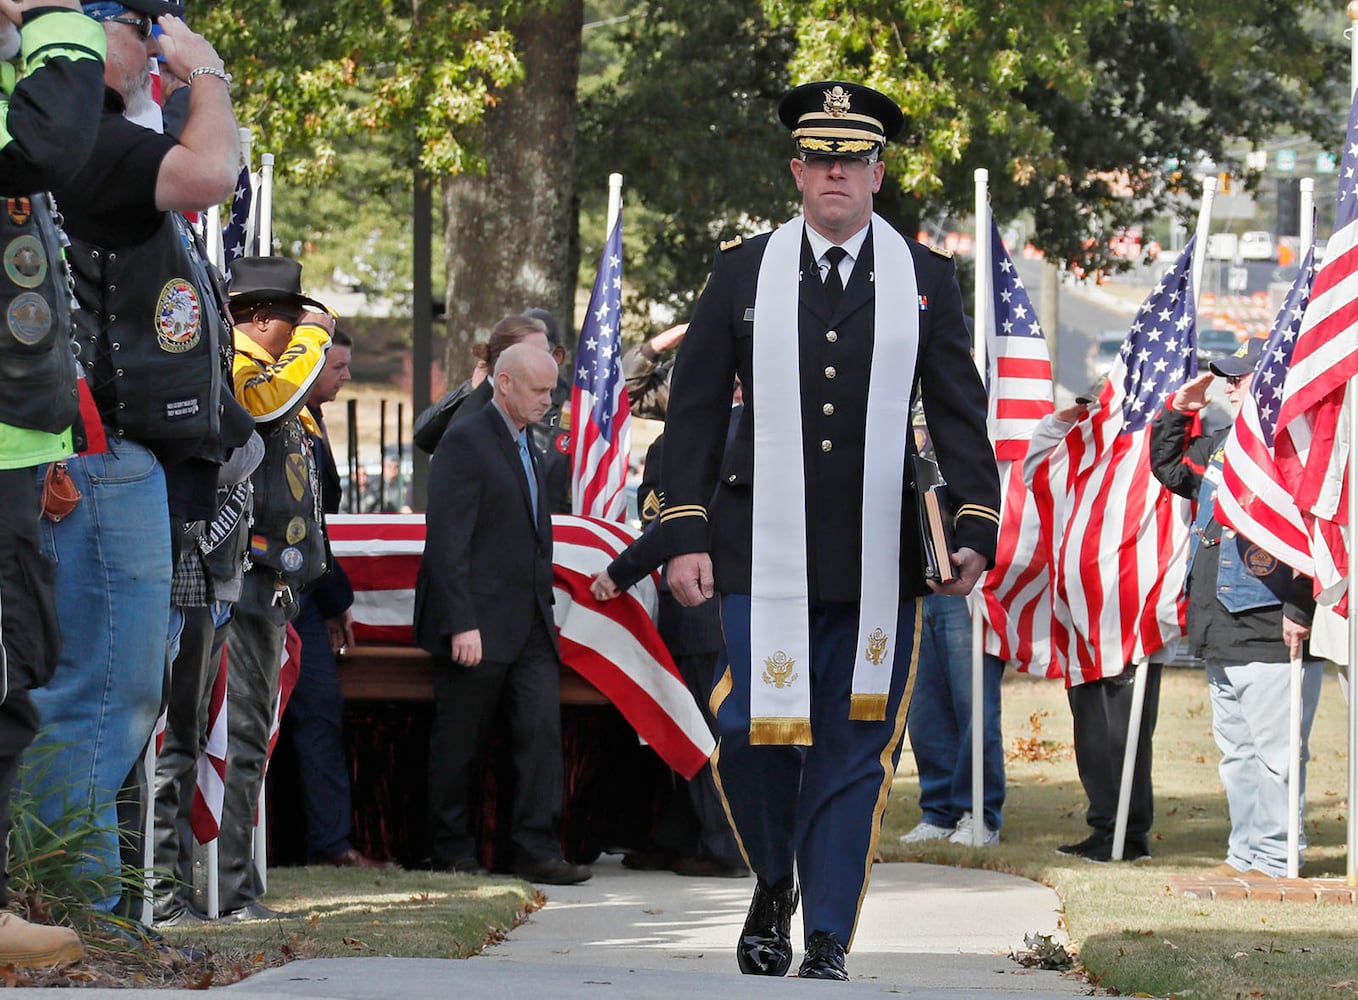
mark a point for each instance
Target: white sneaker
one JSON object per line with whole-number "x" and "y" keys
{"x": 963, "y": 834}
{"x": 925, "y": 831}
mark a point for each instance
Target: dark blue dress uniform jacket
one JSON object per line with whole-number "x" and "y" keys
{"x": 836, "y": 355}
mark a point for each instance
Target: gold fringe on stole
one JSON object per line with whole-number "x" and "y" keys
{"x": 888, "y": 771}
{"x": 867, "y": 707}
{"x": 785, "y": 731}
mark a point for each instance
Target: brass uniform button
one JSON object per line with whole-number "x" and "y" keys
{"x": 831, "y": 336}
{"x": 828, "y": 409}
{"x": 830, "y": 371}
{"x": 826, "y": 445}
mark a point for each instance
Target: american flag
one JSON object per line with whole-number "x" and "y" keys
{"x": 1016, "y": 595}
{"x": 1122, "y": 542}
{"x": 239, "y": 233}
{"x": 206, "y": 816}
{"x": 1253, "y": 497}
{"x": 1312, "y": 444}
{"x": 612, "y": 644}
{"x": 601, "y": 418}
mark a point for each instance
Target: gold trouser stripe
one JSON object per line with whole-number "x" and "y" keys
{"x": 888, "y": 771}
{"x": 719, "y": 694}
{"x": 867, "y": 707}
{"x": 780, "y": 731}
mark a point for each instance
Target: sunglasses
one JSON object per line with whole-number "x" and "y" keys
{"x": 143, "y": 24}
{"x": 1234, "y": 380}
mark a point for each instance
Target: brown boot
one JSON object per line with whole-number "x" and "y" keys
{"x": 22, "y": 943}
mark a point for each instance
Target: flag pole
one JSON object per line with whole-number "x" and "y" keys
{"x": 1209, "y": 194}
{"x": 1306, "y": 236}
{"x": 1209, "y": 189}
{"x": 261, "y": 844}
{"x": 1349, "y": 403}
{"x": 980, "y": 331}
{"x": 266, "y": 205}
{"x": 614, "y": 202}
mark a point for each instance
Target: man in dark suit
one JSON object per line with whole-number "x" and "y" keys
{"x": 830, "y": 323}
{"x": 483, "y": 607}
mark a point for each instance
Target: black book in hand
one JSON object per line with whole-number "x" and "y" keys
{"x": 935, "y": 521}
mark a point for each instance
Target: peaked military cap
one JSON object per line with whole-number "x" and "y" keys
{"x": 833, "y": 118}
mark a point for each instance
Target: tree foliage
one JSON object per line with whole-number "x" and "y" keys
{"x": 1088, "y": 114}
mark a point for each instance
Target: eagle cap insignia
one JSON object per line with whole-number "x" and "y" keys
{"x": 778, "y": 670}
{"x": 836, "y": 102}
{"x": 877, "y": 641}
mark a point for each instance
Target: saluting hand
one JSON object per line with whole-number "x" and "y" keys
{"x": 1192, "y": 395}
{"x": 690, "y": 578}
{"x": 969, "y": 564}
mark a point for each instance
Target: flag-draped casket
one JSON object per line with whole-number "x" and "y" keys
{"x": 612, "y": 644}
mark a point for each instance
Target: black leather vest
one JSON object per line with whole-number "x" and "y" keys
{"x": 151, "y": 335}
{"x": 288, "y": 536}
{"x": 37, "y": 369}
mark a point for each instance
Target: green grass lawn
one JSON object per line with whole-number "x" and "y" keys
{"x": 1130, "y": 933}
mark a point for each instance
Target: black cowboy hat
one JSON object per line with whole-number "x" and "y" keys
{"x": 267, "y": 279}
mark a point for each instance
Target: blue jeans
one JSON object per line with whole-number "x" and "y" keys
{"x": 113, "y": 567}
{"x": 940, "y": 717}
{"x": 1250, "y": 719}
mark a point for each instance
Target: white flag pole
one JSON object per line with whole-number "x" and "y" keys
{"x": 980, "y": 338}
{"x": 213, "y": 238}
{"x": 1209, "y": 194}
{"x": 1308, "y": 217}
{"x": 1294, "y": 769}
{"x": 1351, "y": 405}
{"x": 1209, "y": 189}
{"x": 265, "y": 250}
{"x": 614, "y": 202}
{"x": 266, "y": 205}
{"x": 1129, "y": 758}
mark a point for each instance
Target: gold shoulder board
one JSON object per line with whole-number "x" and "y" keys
{"x": 941, "y": 252}
{"x": 732, "y": 244}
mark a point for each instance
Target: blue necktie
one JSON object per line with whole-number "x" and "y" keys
{"x": 528, "y": 471}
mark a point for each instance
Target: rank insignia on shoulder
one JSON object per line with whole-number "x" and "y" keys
{"x": 732, "y": 243}
{"x": 941, "y": 252}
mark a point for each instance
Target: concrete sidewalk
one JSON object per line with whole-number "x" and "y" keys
{"x": 926, "y": 931}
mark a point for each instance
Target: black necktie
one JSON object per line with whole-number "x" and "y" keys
{"x": 834, "y": 284}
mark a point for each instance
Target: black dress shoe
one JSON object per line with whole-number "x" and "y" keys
{"x": 553, "y": 871}
{"x": 824, "y": 958}
{"x": 1091, "y": 843}
{"x": 765, "y": 946}
{"x": 185, "y": 915}
{"x": 256, "y": 911}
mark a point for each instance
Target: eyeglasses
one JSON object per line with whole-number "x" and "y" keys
{"x": 143, "y": 24}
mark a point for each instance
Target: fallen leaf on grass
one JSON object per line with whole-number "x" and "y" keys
{"x": 355, "y": 944}
{"x": 1170, "y": 944}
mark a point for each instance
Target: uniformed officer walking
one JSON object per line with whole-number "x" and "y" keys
{"x": 820, "y": 634}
